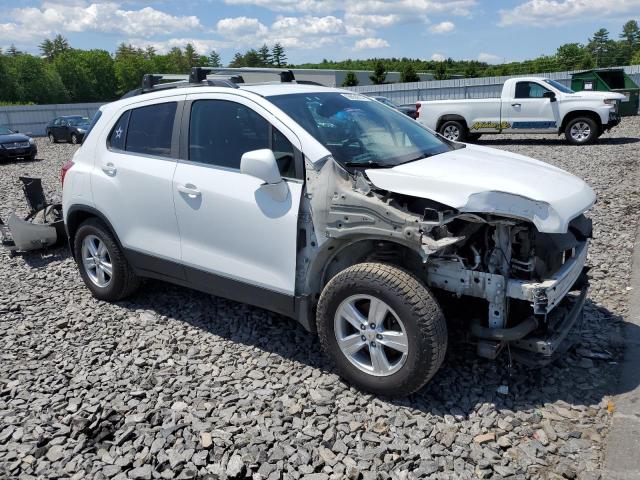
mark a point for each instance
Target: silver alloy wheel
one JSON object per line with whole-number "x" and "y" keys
{"x": 371, "y": 335}
{"x": 580, "y": 131}
{"x": 74, "y": 138}
{"x": 52, "y": 139}
{"x": 96, "y": 261}
{"x": 451, "y": 132}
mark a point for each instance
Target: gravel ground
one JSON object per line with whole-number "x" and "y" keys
{"x": 178, "y": 384}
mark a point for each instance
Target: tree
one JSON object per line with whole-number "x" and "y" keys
{"x": 379, "y": 74}
{"x": 570, "y": 55}
{"x": 440, "y": 71}
{"x": 191, "y": 58}
{"x": 350, "y": 80}
{"x": 408, "y": 74}
{"x": 601, "y": 48}
{"x": 252, "y": 58}
{"x": 631, "y": 33}
{"x": 214, "y": 59}
{"x": 238, "y": 61}
{"x": 278, "y": 57}
{"x": 265, "y": 56}
{"x": 13, "y": 51}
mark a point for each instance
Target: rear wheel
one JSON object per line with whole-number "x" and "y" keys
{"x": 102, "y": 265}
{"x": 453, "y": 130}
{"x": 581, "y": 131}
{"x": 382, "y": 328}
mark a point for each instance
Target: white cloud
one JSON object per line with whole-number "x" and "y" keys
{"x": 371, "y": 43}
{"x": 202, "y": 47}
{"x": 489, "y": 57}
{"x": 438, "y": 57}
{"x": 540, "y": 13}
{"x": 53, "y": 17}
{"x": 443, "y": 27}
{"x": 239, "y": 27}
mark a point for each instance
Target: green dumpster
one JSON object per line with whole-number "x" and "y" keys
{"x": 609, "y": 80}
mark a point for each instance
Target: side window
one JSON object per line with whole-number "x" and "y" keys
{"x": 530, "y": 90}
{"x": 118, "y": 136}
{"x": 56, "y": 122}
{"x": 151, "y": 128}
{"x": 220, "y": 132}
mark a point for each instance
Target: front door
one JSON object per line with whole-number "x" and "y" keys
{"x": 529, "y": 111}
{"x": 235, "y": 237}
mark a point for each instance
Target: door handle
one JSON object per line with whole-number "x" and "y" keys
{"x": 516, "y": 104}
{"x": 110, "y": 169}
{"x": 189, "y": 190}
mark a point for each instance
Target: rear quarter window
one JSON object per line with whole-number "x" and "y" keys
{"x": 151, "y": 128}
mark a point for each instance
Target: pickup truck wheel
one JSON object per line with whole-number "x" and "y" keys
{"x": 453, "y": 130}
{"x": 102, "y": 265}
{"x": 382, "y": 328}
{"x": 581, "y": 131}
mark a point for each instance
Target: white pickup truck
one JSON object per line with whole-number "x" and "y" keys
{"x": 527, "y": 105}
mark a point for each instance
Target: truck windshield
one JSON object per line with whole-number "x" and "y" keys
{"x": 360, "y": 131}
{"x": 558, "y": 86}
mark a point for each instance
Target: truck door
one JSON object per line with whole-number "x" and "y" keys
{"x": 531, "y": 109}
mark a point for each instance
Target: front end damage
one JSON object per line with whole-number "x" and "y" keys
{"x": 515, "y": 285}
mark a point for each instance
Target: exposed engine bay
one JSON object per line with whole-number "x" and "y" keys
{"x": 518, "y": 278}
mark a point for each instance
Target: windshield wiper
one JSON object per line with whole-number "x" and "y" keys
{"x": 367, "y": 164}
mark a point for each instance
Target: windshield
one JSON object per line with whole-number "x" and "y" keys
{"x": 75, "y": 121}
{"x": 360, "y": 131}
{"x": 558, "y": 86}
{"x": 5, "y": 131}
{"x": 386, "y": 101}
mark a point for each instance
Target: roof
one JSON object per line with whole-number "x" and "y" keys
{"x": 272, "y": 89}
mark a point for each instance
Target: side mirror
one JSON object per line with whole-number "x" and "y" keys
{"x": 262, "y": 164}
{"x": 550, "y": 95}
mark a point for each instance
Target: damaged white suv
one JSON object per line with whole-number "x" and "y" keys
{"x": 331, "y": 208}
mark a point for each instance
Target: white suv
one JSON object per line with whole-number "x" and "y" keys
{"x": 334, "y": 209}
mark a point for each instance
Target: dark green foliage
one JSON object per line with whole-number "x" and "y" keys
{"x": 379, "y": 74}
{"x": 408, "y": 74}
{"x": 278, "y": 57}
{"x": 350, "y": 80}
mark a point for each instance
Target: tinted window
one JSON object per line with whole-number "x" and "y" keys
{"x": 57, "y": 121}
{"x": 220, "y": 132}
{"x": 150, "y": 129}
{"x": 118, "y": 136}
{"x": 530, "y": 90}
{"x": 94, "y": 120}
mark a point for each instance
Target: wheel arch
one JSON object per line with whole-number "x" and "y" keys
{"x": 77, "y": 214}
{"x": 451, "y": 117}
{"x": 581, "y": 113}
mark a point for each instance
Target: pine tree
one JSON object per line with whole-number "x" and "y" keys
{"x": 350, "y": 80}
{"x": 265, "y": 56}
{"x": 190, "y": 56}
{"x": 278, "y": 57}
{"x": 408, "y": 74}
{"x": 13, "y": 51}
{"x": 214, "y": 59}
{"x": 379, "y": 74}
{"x": 46, "y": 47}
{"x": 599, "y": 46}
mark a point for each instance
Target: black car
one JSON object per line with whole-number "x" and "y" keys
{"x": 409, "y": 110}
{"x": 70, "y": 129}
{"x": 15, "y": 145}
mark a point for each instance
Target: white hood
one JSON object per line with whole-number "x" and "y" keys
{"x": 591, "y": 95}
{"x": 485, "y": 180}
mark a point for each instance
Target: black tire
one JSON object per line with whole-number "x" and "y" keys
{"x": 74, "y": 138}
{"x": 52, "y": 138}
{"x": 123, "y": 281}
{"x": 449, "y": 126}
{"x": 575, "y": 138}
{"x": 423, "y": 321}
{"x": 473, "y": 137}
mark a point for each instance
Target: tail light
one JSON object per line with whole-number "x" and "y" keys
{"x": 418, "y": 104}
{"x": 63, "y": 172}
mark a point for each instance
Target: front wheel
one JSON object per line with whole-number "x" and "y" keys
{"x": 382, "y": 328}
{"x": 581, "y": 131}
{"x": 52, "y": 138}
{"x": 74, "y": 138}
{"x": 453, "y": 130}
{"x": 102, "y": 265}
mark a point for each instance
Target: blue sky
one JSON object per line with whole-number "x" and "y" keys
{"x": 310, "y": 30}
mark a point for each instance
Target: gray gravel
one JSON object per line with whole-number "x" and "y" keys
{"x": 178, "y": 384}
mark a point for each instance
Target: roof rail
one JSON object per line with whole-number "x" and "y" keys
{"x": 204, "y": 76}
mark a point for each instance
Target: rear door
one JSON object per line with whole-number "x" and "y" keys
{"x": 526, "y": 110}
{"x": 132, "y": 183}
{"x": 235, "y": 238}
